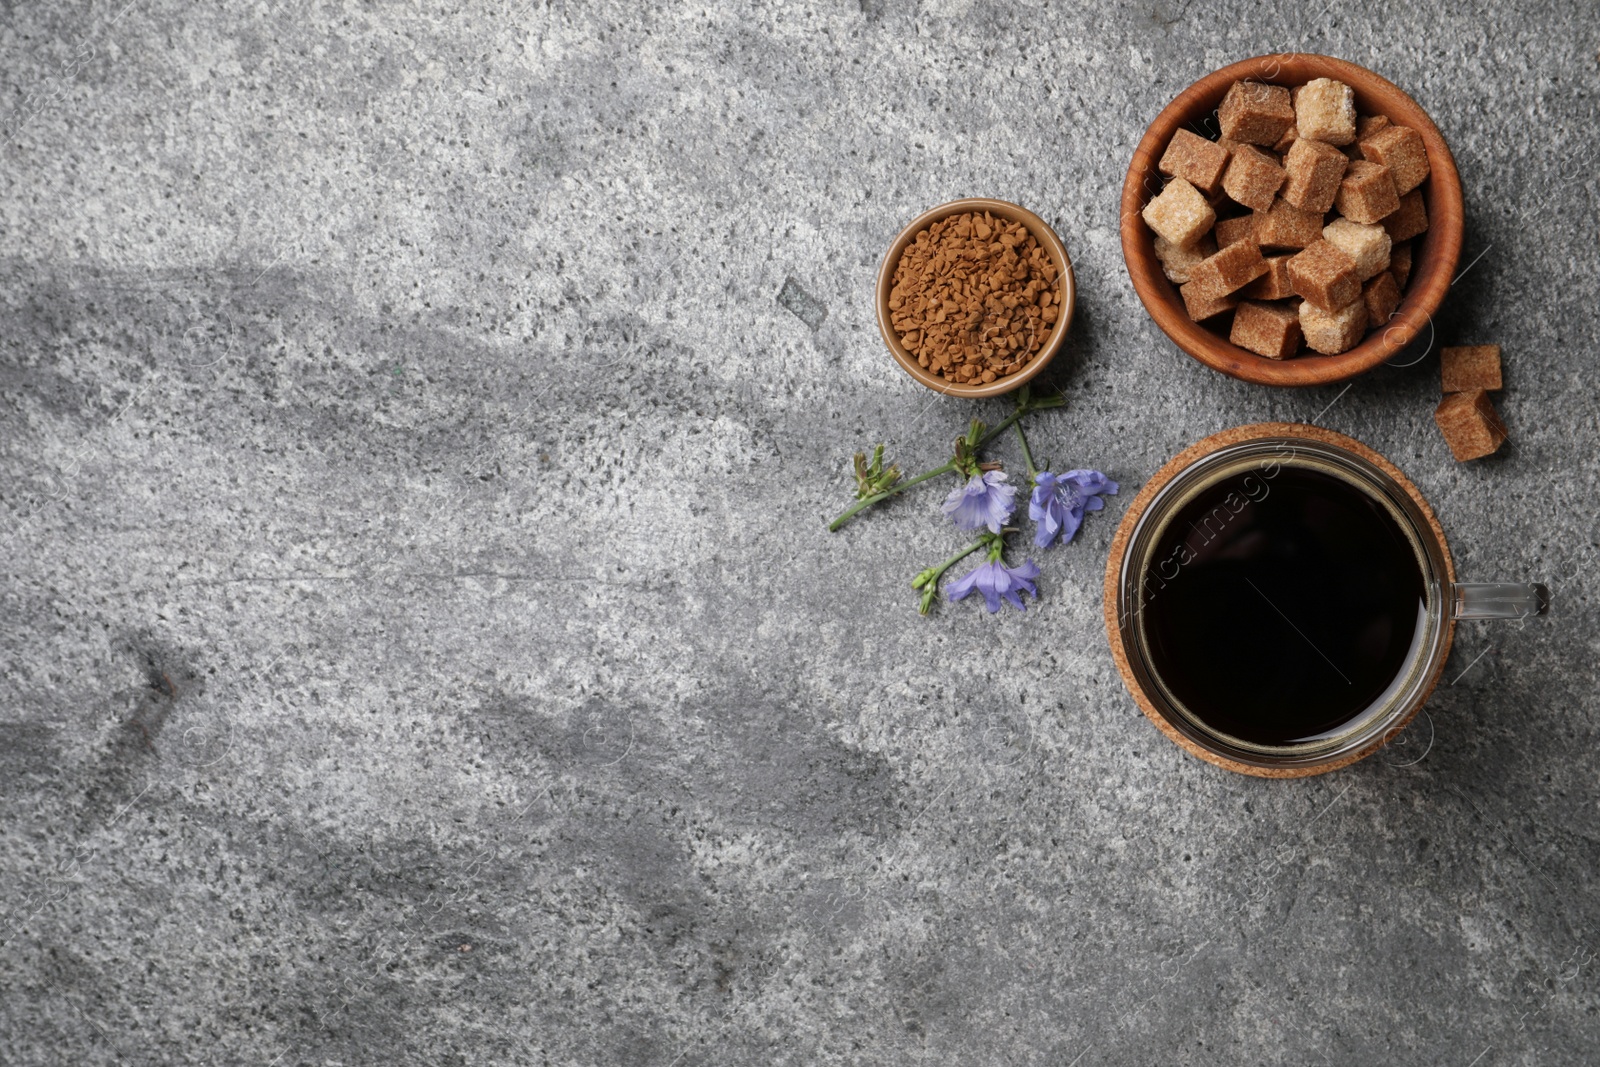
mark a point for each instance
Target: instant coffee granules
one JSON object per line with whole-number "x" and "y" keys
{"x": 974, "y": 298}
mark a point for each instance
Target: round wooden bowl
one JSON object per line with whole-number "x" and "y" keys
{"x": 1047, "y": 240}
{"x": 1434, "y": 261}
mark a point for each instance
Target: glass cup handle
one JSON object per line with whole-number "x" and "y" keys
{"x": 1498, "y": 600}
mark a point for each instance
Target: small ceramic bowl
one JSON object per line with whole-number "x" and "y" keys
{"x": 1047, "y": 240}
{"x": 1436, "y": 252}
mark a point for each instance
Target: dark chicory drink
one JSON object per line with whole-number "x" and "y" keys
{"x": 1278, "y": 609}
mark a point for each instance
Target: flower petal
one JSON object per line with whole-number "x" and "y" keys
{"x": 1020, "y": 580}
{"x": 1090, "y": 482}
{"x": 984, "y": 501}
{"x": 963, "y": 585}
{"x": 962, "y": 505}
{"x": 990, "y": 584}
{"x": 1001, "y": 499}
{"x": 1070, "y": 522}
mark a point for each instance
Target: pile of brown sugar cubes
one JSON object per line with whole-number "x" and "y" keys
{"x": 1294, "y": 221}
{"x": 1466, "y": 416}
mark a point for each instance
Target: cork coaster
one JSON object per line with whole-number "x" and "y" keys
{"x": 1119, "y": 549}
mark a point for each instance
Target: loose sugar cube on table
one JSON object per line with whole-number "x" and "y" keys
{"x": 1367, "y": 245}
{"x": 1402, "y": 150}
{"x": 1325, "y": 275}
{"x": 1325, "y": 110}
{"x": 1332, "y": 332}
{"x": 1255, "y": 113}
{"x": 1463, "y": 368}
{"x": 1176, "y": 259}
{"x": 1273, "y": 285}
{"x": 1196, "y": 160}
{"x": 1271, "y": 330}
{"x": 1234, "y": 230}
{"x": 1314, "y": 172}
{"x": 1407, "y": 220}
{"x": 1382, "y": 295}
{"x": 1179, "y": 213}
{"x": 1367, "y": 193}
{"x": 1470, "y": 424}
{"x": 1285, "y": 226}
{"x": 1253, "y": 177}
{"x": 1231, "y": 268}
{"x": 1202, "y": 306}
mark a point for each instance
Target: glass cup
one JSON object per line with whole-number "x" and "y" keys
{"x": 1263, "y": 451}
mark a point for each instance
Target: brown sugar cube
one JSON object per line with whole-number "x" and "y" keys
{"x": 1255, "y": 113}
{"x": 1231, "y": 231}
{"x": 1400, "y": 264}
{"x": 1273, "y": 285}
{"x": 1367, "y": 245}
{"x": 1326, "y": 276}
{"x": 1382, "y": 295}
{"x": 1367, "y": 125}
{"x": 1228, "y": 144}
{"x": 1470, "y": 424}
{"x": 1399, "y": 148}
{"x": 1314, "y": 172}
{"x": 1367, "y": 193}
{"x": 1201, "y": 306}
{"x": 1271, "y": 330}
{"x": 1194, "y": 159}
{"x": 1285, "y": 226}
{"x": 1231, "y": 268}
{"x": 1332, "y": 332}
{"x": 1325, "y": 110}
{"x": 1290, "y": 136}
{"x": 1179, "y": 213}
{"x": 1409, "y": 219}
{"x": 1463, "y": 368}
{"x": 1253, "y": 177}
{"x": 1176, "y": 260}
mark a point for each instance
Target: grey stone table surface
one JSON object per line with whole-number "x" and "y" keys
{"x": 422, "y": 645}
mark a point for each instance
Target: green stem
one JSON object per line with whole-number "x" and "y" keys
{"x": 936, "y": 572}
{"x": 1023, "y": 408}
{"x": 1010, "y": 420}
{"x": 867, "y": 502}
{"x": 928, "y": 580}
{"x": 1027, "y": 454}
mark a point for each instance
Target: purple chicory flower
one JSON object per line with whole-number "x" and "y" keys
{"x": 995, "y": 580}
{"x": 1059, "y": 501}
{"x": 985, "y": 501}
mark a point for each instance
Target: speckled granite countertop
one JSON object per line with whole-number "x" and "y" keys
{"x": 422, "y": 645}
